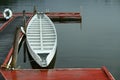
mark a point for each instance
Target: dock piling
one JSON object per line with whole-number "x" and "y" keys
{"x": 24, "y": 21}
{"x": 34, "y": 10}
{"x": 15, "y": 48}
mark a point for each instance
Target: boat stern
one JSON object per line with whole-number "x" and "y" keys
{"x": 43, "y": 57}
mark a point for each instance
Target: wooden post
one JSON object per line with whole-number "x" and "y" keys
{"x": 15, "y": 47}
{"x": 34, "y": 10}
{"x": 24, "y": 21}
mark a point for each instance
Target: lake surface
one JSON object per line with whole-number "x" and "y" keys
{"x": 93, "y": 43}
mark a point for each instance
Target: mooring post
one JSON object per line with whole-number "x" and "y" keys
{"x": 34, "y": 10}
{"x": 24, "y": 21}
{"x": 81, "y": 13}
{"x": 15, "y": 48}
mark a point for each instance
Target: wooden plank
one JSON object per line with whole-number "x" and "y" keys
{"x": 107, "y": 73}
{"x": 1, "y": 76}
{"x": 57, "y": 74}
{"x": 6, "y": 23}
{"x": 57, "y": 16}
{"x": 15, "y": 47}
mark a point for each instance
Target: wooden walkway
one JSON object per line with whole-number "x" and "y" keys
{"x": 58, "y": 74}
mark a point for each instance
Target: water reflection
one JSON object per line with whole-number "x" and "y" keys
{"x": 81, "y": 26}
{"x": 7, "y": 2}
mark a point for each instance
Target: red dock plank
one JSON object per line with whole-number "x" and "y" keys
{"x": 6, "y": 23}
{"x": 51, "y": 14}
{"x": 65, "y": 16}
{"x": 55, "y": 16}
{"x": 57, "y": 74}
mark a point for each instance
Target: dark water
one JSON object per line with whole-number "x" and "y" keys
{"x": 94, "y": 43}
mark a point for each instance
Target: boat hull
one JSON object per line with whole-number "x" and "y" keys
{"x": 41, "y": 39}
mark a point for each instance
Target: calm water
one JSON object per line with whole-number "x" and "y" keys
{"x": 94, "y": 43}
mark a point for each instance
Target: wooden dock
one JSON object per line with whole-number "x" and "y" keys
{"x": 7, "y": 31}
{"x": 58, "y": 74}
{"x": 56, "y": 16}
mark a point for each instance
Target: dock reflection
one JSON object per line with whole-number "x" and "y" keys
{"x": 81, "y": 26}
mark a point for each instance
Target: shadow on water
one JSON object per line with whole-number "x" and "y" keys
{"x": 81, "y": 26}
{"x": 7, "y": 2}
{"x": 2, "y": 21}
{"x": 30, "y": 62}
{"x": 34, "y": 65}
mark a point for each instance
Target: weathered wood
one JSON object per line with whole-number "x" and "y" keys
{"x": 34, "y": 10}
{"x": 15, "y": 47}
{"x": 24, "y": 20}
{"x": 58, "y": 74}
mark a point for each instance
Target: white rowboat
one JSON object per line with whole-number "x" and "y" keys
{"x": 41, "y": 39}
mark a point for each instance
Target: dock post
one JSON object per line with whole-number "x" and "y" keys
{"x": 81, "y": 13}
{"x": 15, "y": 48}
{"x": 24, "y": 21}
{"x": 34, "y": 10}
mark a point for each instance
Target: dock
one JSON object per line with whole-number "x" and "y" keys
{"x": 57, "y": 16}
{"x": 58, "y": 74}
{"x": 7, "y": 31}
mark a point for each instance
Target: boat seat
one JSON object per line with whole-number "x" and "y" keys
{"x": 43, "y": 56}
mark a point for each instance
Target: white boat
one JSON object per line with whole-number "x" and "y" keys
{"x": 41, "y": 39}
